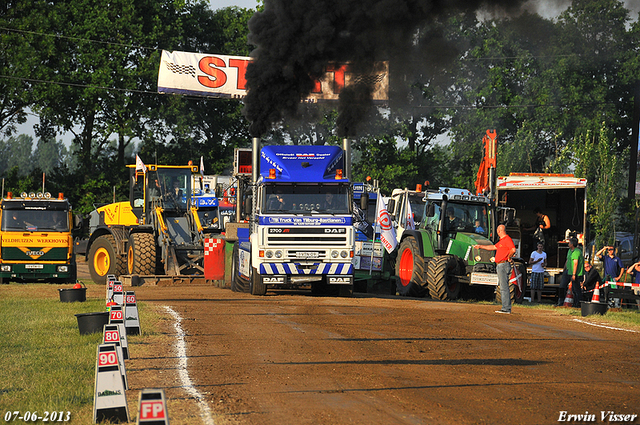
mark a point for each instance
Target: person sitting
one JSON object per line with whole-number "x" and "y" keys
{"x": 591, "y": 279}
{"x": 329, "y": 202}
{"x": 452, "y": 222}
{"x": 478, "y": 227}
{"x": 276, "y": 203}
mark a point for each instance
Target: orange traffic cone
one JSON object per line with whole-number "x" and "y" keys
{"x": 568, "y": 300}
{"x": 596, "y": 294}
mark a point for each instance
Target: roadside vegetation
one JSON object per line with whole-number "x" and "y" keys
{"x": 41, "y": 340}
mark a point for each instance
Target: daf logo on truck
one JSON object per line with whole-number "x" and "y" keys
{"x": 340, "y": 230}
{"x": 273, "y": 280}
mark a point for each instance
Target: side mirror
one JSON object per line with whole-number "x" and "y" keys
{"x": 77, "y": 221}
{"x": 431, "y": 210}
{"x": 391, "y": 206}
{"x": 364, "y": 201}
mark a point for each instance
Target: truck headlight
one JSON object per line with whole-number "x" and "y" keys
{"x": 278, "y": 254}
{"x": 269, "y": 254}
{"x": 63, "y": 269}
{"x": 344, "y": 254}
{"x": 5, "y": 268}
{"x": 334, "y": 254}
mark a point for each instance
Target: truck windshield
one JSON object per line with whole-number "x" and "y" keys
{"x": 173, "y": 186}
{"x": 300, "y": 198}
{"x": 471, "y": 218}
{"x": 35, "y": 220}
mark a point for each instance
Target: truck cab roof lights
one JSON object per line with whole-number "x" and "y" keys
{"x": 418, "y": 187}
{"x": 339, "y": 174}
{"x": 9, "y": 195}
{"x": 272, "y": 173}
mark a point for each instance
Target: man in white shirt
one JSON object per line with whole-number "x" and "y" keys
{"x": 538, "y": 262}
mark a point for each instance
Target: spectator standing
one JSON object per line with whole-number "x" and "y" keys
{"x": 591, "y": 278}
{"x": 538, "y": 262}
{"x": 573, "y": 272}
{"x": 613, "y": 267}
{"x": 505, "y": 250}
{"x": 543, "y": 223}
{"x": 635, "y": 270}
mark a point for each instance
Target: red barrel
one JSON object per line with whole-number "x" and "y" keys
{"x": 214, "y": 259}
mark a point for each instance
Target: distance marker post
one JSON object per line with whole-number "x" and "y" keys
{"x": 109, "y": 399}
{"x": 118, "y": 293}
{"x": 111, "y": 335}
{"x": 131, "y": 317}
{"x": 116, "y": 317}
{"x": 110, "y": 279}
{"x": 152, "y": 407}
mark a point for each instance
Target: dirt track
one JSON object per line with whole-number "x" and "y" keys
{"x": 292, "y": 358}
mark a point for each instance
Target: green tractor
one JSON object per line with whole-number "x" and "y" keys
{"x": 437, "y": 258}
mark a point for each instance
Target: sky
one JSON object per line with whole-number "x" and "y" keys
{"x": 219, "y": 4}
{"x": 545, "y": 8}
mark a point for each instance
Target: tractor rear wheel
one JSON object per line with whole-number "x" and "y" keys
{"x": 104, "y": 259}
{"x": 440, "y": 277}
{"x": 410, "y": 269}
{"x": 141, "y": 255}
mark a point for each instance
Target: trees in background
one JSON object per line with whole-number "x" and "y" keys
{"x": 558, "y": 92}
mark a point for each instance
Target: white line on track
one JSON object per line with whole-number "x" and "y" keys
{"x": 603, "y": 326}
{"x": 181, "y": 347}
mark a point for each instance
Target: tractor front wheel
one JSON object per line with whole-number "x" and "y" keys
{"x": 441, "y": 279}
{"x": 410, "y": 269}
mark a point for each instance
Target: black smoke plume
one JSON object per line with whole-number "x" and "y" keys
{"x": 295, "y": 39}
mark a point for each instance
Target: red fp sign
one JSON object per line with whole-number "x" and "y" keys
{"x": 152, "y": 410}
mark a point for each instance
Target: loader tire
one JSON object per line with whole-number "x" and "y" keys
{"x": 440, "y": 272}
{"x": 256, "y": 286}
{"x": 141, "y": 255}
{"x": 104, "y": 260}
{"x": 410, "y": 269}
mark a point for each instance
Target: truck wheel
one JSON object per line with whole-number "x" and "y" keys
{"x": 141, "y": 255}
{"x": 236, "y": 285}
{"x": 256, "y": 286}
{"x": 440, "y": 271}
{"x": 410, "y": 269}
{"x": 104, "y": 260}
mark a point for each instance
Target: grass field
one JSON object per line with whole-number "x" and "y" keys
{"x": 46, "y": 365}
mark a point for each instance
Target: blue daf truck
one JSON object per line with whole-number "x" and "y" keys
{"x": 301, "y": 229}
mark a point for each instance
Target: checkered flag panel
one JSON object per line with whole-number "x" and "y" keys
{"x": 181, "y": 69}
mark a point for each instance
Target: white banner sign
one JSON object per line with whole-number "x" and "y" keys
{"x": 224, "y": 76}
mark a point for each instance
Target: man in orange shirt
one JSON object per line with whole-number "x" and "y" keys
{"x": 505, "y": 249}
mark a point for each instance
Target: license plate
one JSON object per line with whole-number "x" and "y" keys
{"x": 33, "y": 266}
{"x": 484, "y": 278}
{"x": 306, "y": 255}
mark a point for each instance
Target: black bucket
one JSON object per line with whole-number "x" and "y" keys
{"x": 89, "y": 323}
{"x": 73, "y": 294}
{"x": 589, "y": 308}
